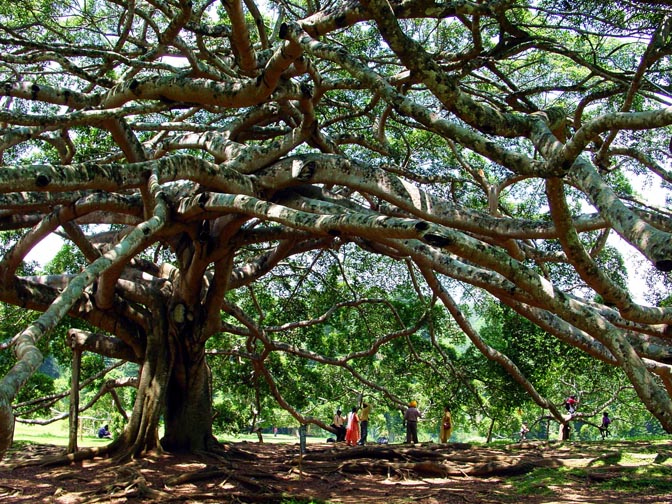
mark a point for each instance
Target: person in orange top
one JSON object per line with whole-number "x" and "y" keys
{"x": 352, "y": 430}
{"x": 446, "y": 425}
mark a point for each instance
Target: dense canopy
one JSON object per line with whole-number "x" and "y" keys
{"x": 236, "y": 180}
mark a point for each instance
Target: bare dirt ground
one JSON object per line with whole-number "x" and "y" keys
{"x": 328, "y": 473}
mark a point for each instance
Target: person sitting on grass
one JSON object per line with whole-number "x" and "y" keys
{"x": 104, "y": 432}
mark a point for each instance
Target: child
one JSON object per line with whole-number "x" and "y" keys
{"x": 604, "y": 428}
{"x": 571, "y": 404}
{"x": 524, "y": 429}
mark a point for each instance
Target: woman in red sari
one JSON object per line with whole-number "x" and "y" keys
{"x": 352, "y": 431}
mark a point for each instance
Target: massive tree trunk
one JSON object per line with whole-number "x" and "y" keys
{"x": 141, "y": 433}
{"x": 188, "y": 403}
{"x": 188, "y": 412}
{"x": 174, "y": 383}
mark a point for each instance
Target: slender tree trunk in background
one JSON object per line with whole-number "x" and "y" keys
{"x": 548, "y": 430}
{"x": 257, "y": 409}
{"x": 389, "y": 427}
{"x": 74, "y": 400}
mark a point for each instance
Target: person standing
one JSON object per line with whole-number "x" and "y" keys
{"x": 352, "y": 431}
{"x": 446, "y": 425}
{"x": 411, "y": 417}
{"x": 339, "y": 425}
{"x": 364, "y": 422}
{"x": 606, "y": 422}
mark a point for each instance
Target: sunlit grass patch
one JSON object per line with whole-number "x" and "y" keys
{"x": 645, "y": 479}
{"x": 608, "y": 459}
{"x": 653, "y": 478}
{"x": 542, "y": 481}
{"x": 639, "y": 469}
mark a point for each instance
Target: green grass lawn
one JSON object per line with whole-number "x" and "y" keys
{"x": 57, "y": 434}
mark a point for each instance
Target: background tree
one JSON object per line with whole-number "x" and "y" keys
{"x": 218, "y": 166}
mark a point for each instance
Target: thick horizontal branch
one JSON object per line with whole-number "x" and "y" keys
{"x": 102, "y": 344}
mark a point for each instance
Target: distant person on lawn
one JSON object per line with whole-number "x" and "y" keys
{"x": 339, "y": 425}
{"x": 446, "y": 425}
{"x": 364, "y": 422}
{"x": 411, "y": 417}
{"x": 352, "y": 430}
